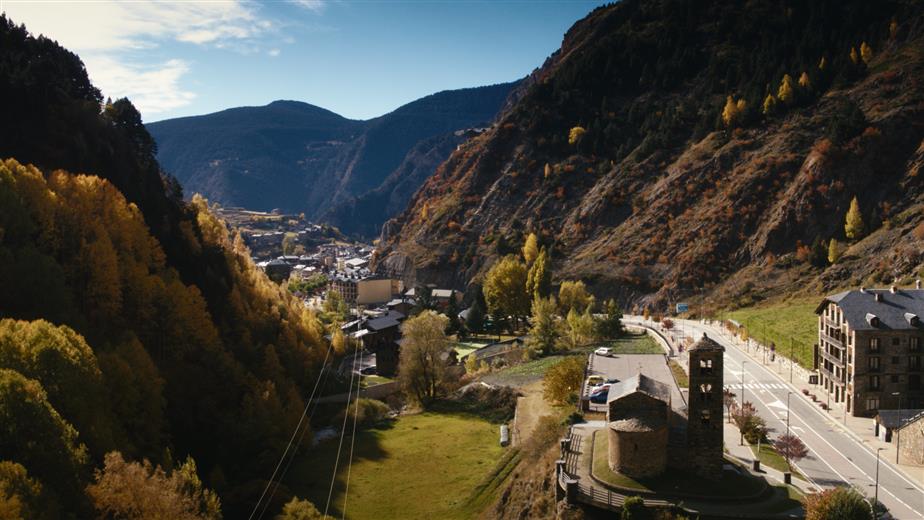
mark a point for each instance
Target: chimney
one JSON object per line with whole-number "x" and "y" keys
{"x": 878, "y": 297}
{"x": 917, "y": 283}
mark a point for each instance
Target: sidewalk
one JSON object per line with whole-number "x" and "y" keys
{"x": 862, "y": 429}
{"x": 746, "y": 455}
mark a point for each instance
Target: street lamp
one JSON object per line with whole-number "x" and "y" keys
{"x": 876, "y": 496}
{"x": 788, "y": 394}
{"x": 898, "y": 431}
{"x": 792, "y": 358}
{"x": 740, "y": 429}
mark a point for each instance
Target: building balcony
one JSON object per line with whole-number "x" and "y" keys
{"x": 839, "y": 361}
{"x": 832, "y": 340}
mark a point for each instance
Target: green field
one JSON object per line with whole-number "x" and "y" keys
{"x": 420, "y": 466}
{"x": 635, "y": 343}
{"x": 786, "y": 323}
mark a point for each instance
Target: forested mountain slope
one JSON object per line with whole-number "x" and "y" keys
{"x": 301, "y": 158}
{"x": 673, "y": 145}
{"x": 130, "y": 321}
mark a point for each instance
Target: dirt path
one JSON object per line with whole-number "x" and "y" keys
{"x": 530, "y": 407}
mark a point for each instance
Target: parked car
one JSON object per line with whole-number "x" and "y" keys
{"x": 594, "y": 380}
{"x": 599, "y": 397}
{"x": 604, "y": 351}
{"x": 369, "y": 371}
{"x": 612, "y": 381}
{"x": 602, "y": 389}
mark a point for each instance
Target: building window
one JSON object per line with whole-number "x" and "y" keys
{"x": 915, "y": 344}
{"x": 874, "y": 364}
{"x": 914, "y": 362}
{"x": 874, "y": 383}
{"x": 896, "y": 341}
{"x": 914, "y": 382}
{"x": 874, "y": 344}
{"x": 705, "y": 391}
{"x": 894, "y": 360}
{"x": 894, "y": 378}
{"x": 704, "y": 416}
{"x": 705, "y": 366}
{"x": 872, "y": 404}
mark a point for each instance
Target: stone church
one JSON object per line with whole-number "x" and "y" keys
{"x": 642, "y": 426}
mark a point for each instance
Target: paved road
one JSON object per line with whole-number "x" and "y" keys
{"x": 835, "y": 457}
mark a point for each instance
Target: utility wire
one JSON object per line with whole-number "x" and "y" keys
{"x": 346, "y": 415}
{"x": 292, "y": 438}
{"x": 301, "y": 437}
{"x": 346, "y": 492}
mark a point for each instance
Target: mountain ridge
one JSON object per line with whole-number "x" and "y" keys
{"x": 298, "y": 157}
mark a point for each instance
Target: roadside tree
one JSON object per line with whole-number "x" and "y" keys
{"x": 841, "y": 503}
{"x": 563, "y": 380}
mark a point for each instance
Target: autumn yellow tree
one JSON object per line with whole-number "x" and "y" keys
{"x": 822, "y": 63}
{"x": 530, "y": 249}
{"x": 786, "y": 93}
{"x": 805, "y": 82}
{"x": 547, "y": 171}
{"x": 422, "y": 364}
{"x": 893, "y": 29}
{"x": 576, "y": 134}
{"x": 573, "y": 295}
{"x": 854, "y": 57}
{"x": 505, "y": 289}
{"x": 866, "y": 52}
{"x": 834, "y": 251}
{"x": 853, "y": 225}
{"x": 539, "y": 277}
{"x": 769, "y": 105}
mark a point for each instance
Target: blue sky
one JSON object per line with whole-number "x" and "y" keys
{"x": 360, "y": 59}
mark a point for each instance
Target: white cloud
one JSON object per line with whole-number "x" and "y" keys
{"x": 152, "y": 89}
{"x": 312, "y": 5}
{"x": 273, "y": 52}
{"x": 112, "y": 36}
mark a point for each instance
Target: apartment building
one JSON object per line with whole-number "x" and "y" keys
{"x": 870, "y": 348}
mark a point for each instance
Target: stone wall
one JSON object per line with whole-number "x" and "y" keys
{"x": 638, "y": 454}
{"x": 911, "y": 443}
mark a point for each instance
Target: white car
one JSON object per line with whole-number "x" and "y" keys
{"x": 604, "y": 351}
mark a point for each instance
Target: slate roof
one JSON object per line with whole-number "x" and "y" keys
{"x": 707, "y": 343}
{"x": 894, "y": 310}
{"x": 892, "y": 419}
{"x": 382, "y": 323}
{"x": 639, "y": 383}
{"x": 643, "y": 422}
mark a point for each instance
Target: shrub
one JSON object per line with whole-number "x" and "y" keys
{"x": 365, "y": 412}
{"x": 633, "y": 509}
{"x": 841, "y": 503}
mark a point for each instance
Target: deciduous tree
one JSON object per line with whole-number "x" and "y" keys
{"x": 544, "y": 333}
{"x": 866, "y": 52}
{"x": 786, "y": 93}
{"x": 563, "y": 380}
{"x": 791, "y": 448}
{"x": 853, "y": 222}
{"x": 834, "y": 251}
{"x": 573, "y": 295}
{"x": 505, "y": 289}
{"x": 610, "y": 326}
{"x": 424, "y": 356}
{"x": 769, "y": 106}
{"x": 575, "y": 135}
{"x": 530, "y": 249}
{"x": 539, "y": 278}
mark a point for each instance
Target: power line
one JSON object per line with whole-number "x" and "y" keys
{"x": 346, "y": 492}
{"x": 301, "y": 437}
{"x": 346, "y": 415}
{"x": 292, "y": 438}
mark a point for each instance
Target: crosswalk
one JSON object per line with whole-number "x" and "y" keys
{"x": 756, "y": 386}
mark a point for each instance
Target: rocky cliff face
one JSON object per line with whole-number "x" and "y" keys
{"x": 658, "y": 197}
